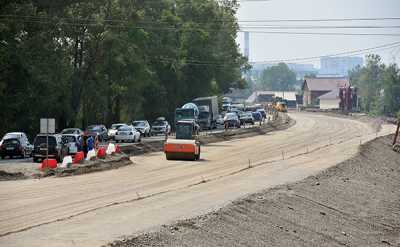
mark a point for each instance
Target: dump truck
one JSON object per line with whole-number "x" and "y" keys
{"x": 208, "y": 111}
{"x": 185, "y": 146}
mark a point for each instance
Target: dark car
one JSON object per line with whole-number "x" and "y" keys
{"x": 15, "y": 147}
{"x": 246, "y": 117}
{"x": 257, "y": 116}
{"x": 99, "y": 130}
{"x": 231, "y": 120}
{"x": 73, "y": 142}
{"x": 56, "y": 148}
{"x": 263, "y": 113}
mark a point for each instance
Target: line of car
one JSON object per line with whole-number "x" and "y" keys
{"x": 71, "y": 140}
{"x": 236, "y": 118}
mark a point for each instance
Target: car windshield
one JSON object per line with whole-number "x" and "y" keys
{"x": 42, "y": 139}
{"x": 10, "y": 136}
{"x": 204, "y": 114}
{"x": 94, "y": 128}
{"x": 124, "y": 128}
{"x": 68, "y": 139}
{"x": 116, "y": 126}
{"x": 231, "y": 116}
{"x": 184, "y": 113}
{"x": 139, "y": 124}
{"x": 159, "y": 123}
{"x": 11, "y": 141}
{"x": 184, "y": 131}
{"x": 69, "y": 131}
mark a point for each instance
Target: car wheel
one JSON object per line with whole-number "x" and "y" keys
{"x": 3, "y": 157}
{"x": 35, "y": 160}
{"x": 140, "y": 139}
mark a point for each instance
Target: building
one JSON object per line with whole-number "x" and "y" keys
{"x": 339, "y": 66}
{"x": 330, "y": 101}
{"x": 266, "y": 97}
{"x": 238, "y": 96}
{"x": 313, "y": 88}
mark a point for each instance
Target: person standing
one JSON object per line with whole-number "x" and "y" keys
{"x": 90, "y": 143}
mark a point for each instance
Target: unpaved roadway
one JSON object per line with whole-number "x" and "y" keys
{"x": 94, "y": 209}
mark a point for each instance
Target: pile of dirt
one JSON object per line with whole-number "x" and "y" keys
{"x": 6, "y": 176}
{"x": 356, "y": 203}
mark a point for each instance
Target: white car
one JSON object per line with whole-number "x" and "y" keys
{"x": 114, "y": 129}
{"x": 143, "y": 126}
{"x": 127, "y": 134}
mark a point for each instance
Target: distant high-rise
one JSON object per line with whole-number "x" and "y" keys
{"x": 247, "y": 45}
{"x": 339, "y": 66}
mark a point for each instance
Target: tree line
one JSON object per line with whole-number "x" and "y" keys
{"x": 104, "y": 61}
{"x": 378, "y": 86}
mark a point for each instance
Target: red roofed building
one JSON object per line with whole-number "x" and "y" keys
{"x": 313, "y": 88}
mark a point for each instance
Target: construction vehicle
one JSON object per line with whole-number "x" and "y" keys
{"x": 189, "y": 112}
{"x": 208, "y": 111}
{"x": 279, "y": 104}
{"x": 396, "y": 141}
{"x": 185, "y": 146}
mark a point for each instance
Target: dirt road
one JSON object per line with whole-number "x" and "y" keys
{"x": 355, "y": 203}
{"x": 98, "y": 208}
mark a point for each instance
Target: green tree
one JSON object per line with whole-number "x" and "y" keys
{"x": 278, "y": 78}
{"x": 105, "y": 61}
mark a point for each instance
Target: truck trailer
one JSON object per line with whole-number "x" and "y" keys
{"x": 208, "y": 111}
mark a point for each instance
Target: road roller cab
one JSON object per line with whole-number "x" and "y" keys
{"x": 185, "y": 146}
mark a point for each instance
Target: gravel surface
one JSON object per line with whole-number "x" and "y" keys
{"x": 99, "y": 208}
{"x": 356, "y": 203}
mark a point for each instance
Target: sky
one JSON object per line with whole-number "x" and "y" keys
{"x": 267, "y": 47}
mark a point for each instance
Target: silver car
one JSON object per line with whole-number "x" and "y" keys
{"x": 127, "y": 134}
{"x": 143, "y": 126}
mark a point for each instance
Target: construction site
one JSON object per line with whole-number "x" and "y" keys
{"x": 305, "y": 179}
{"x": 197, "y": 123}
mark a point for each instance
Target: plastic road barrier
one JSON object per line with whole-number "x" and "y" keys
{"x": 48, "y": 164}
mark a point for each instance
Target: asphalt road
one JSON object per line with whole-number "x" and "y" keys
{"x": 97, "y": 208}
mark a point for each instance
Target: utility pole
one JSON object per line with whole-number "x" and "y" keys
{"x": 396, "y": 135}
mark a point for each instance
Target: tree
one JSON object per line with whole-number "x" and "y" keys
{"x": 379, "y": 86}
{"x": 105, "y": 61}
{"x": 278, "y": 78}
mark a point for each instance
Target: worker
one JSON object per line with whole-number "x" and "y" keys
{"x": 84, "y": 144}
{"x": 90, "y": 143}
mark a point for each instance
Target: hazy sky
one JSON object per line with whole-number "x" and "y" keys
{"x": 266, "y": 47}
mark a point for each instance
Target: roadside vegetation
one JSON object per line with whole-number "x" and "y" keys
{"x": 379, "y": 86}
{"x": 106, "y": 61}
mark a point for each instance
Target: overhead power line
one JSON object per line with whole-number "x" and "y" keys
{"x": 324, "y": 20}
{"x": 314, "y": 58}
{"x": 347, "y": 53}
{"x": 321, "y": 33}
{"x": 173, "y": 28}
{"x": 317, "y": 27}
